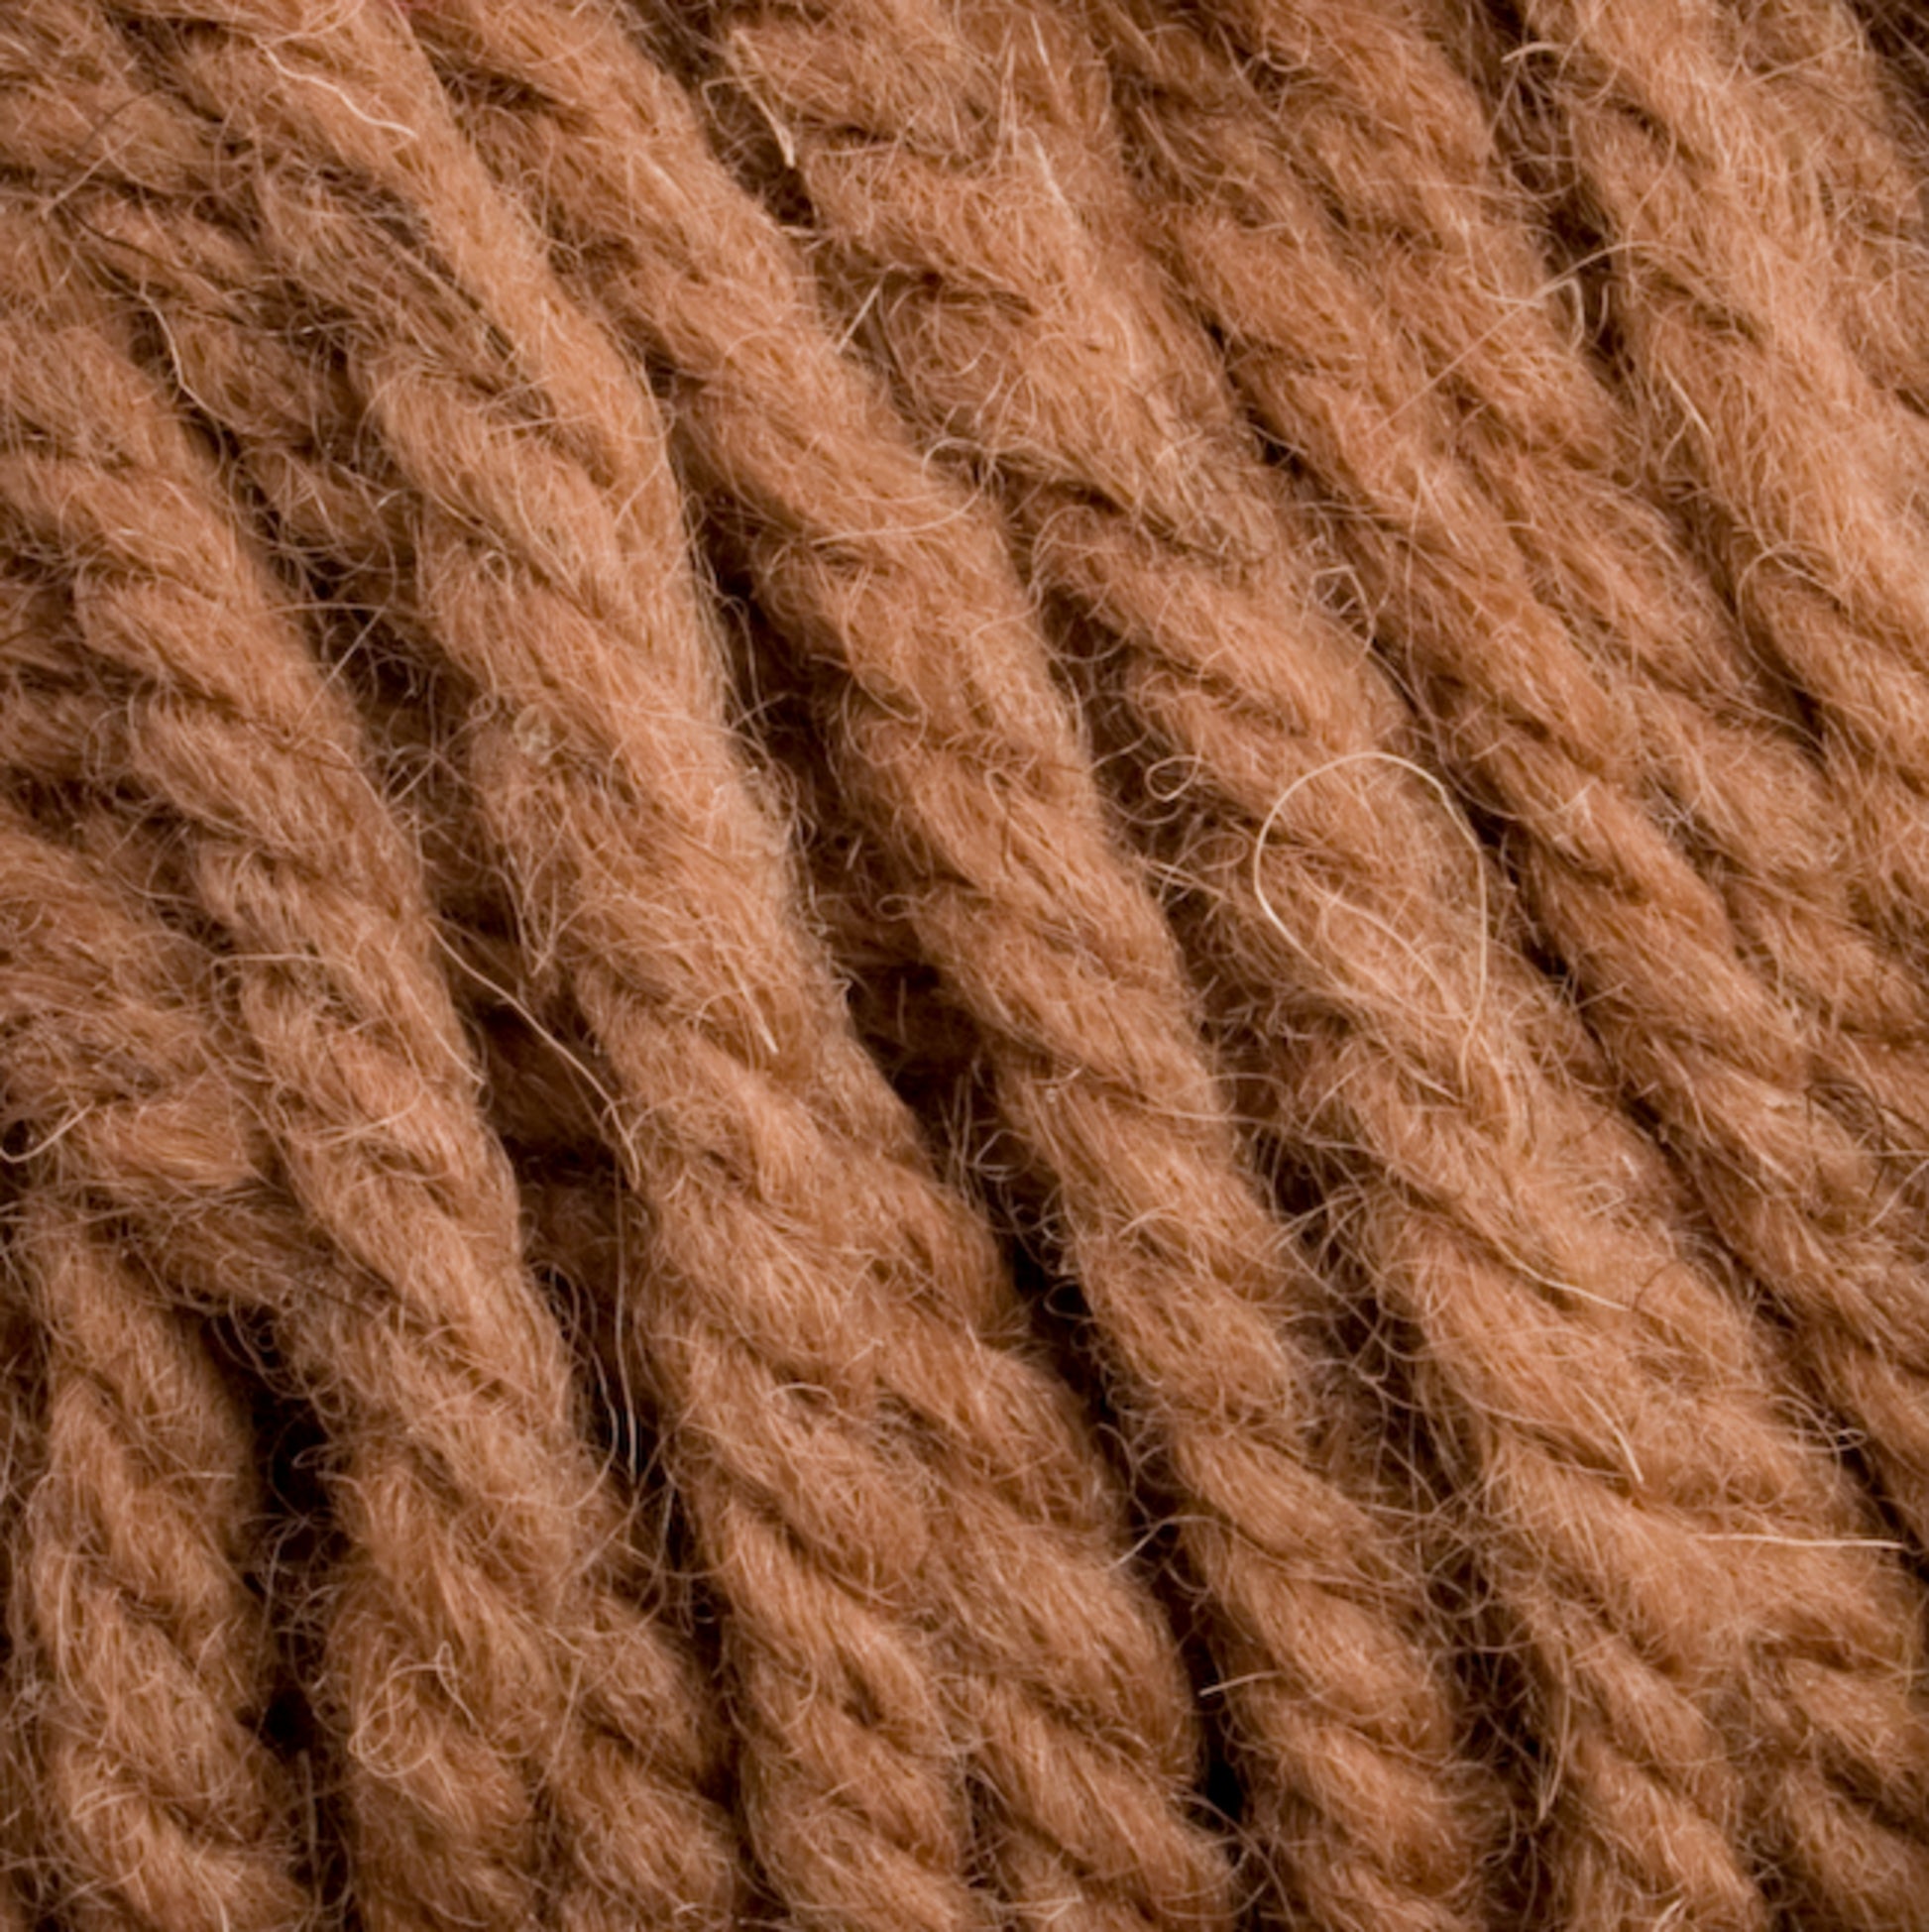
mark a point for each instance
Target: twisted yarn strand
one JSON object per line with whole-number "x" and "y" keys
{"x": 815, "y": 1475}
{"x": 516, "y": 1700}
{"x": 974, "y": 786}
{"x": 143, "y": 1663}
{"x": 196, "y": 1186}
{"x": 901, "y": 1838}
{"x": 1555, "y": 741}
{"x": 1817, "y": 61}
{"x": 147, "y": 1664}
{"x": 1800, "y": 472}
{"x": 22, "y": 1437}
{"x": 1537, "y": 431}
{"x": 1087, "y": 400}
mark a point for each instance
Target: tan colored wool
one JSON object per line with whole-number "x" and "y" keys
{"x": 144, "y": 1668}
{"x": 23, "y": 1443}
{"x": 1618, "y": 776}
{"x": 959, "y": 757}
{"x": 1506, "y": 404}
{"x": 1848, "y": 132}
{"x": 143, "y": 1659}
{"x": 833, "y": 1428}
{"x": 1797, "y": 472}
{"x": 175, "y": 1167}
{"x": 521, "y": 1698}
{"x": 582, "y": 579}
{"x": 1075, "y": 386}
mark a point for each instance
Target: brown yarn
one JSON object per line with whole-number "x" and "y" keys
{"x": 149, "y": 1668}
{"x": 1508, "y": 390}
{"x": 1591, "y": 761}
{"x": 1863, "y": 160}
{"x": 188, "y": 1184}
{"x": 523, "y": 1699}
{"x": 22, "y": 1455}
{"x": 974, "y": 785}
{"x": 806, "y": 1487}
{"x": 1078, "y": 397}
{"x": 1299, "y": 621}
{"x": 1795, "y": 471}
{"x": 144, "y": 1660}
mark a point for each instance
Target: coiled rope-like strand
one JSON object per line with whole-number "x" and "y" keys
{"x": 484, "y": 1669}
{"x": 910, "y": 1524}
{"x": 1801, "y": 474}
{"x": 1581, "y": 755}
{"x": 1100, "y": 421}
{"x": 1042, "y": 933}
{"x": 147, "y": 1663}
{"x": 1863, "y": 160}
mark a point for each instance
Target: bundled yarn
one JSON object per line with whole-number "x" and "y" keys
{"x": 962, "y": 963}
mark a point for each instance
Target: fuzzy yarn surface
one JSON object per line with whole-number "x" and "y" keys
{"x": 963, "y": 966}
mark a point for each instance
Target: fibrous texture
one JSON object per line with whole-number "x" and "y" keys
{"x": 961, "y": 965}
{"x": 1564, "y": 650}
{"x": 497, "y": 1693}
{"x": 856, "y": 1448}
{"x": 144, "y": 1668}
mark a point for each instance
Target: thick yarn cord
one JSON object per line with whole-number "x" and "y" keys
{"x": 516, "y": 1725}
{"x": 1865, "y": 159}
{"x": 962, "y": 763}
{"x": 144, "y": 1664}
{"x": 1331, "y": 885}
{"x": 1592, "y": 745}
{"x": 963, "y": 965}
{"x": 1506, "y": 389}
{"x": 145, "y": 1661}
{"x": 914, "y": 1545}
{"x": 1798, "y": 473}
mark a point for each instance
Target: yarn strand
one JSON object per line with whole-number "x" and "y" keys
{"x": 1555, "y": 741}
{"x": 1077, "y": 397}
{"x": 964, "y": 755}
{"x": 471, "y": 1718}
{"x": 149, "y": 1668}
{"x": 812, "y": 1475}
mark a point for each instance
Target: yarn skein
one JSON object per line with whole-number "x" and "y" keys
{"x": 819, "y": 1591}
{"x": 476, "y": 1716}
{"x": 881, "y": 197}
{"x": 970, "y": 780}
{"x": 1554, "y": 744}
{"x": 961, "y": 965}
